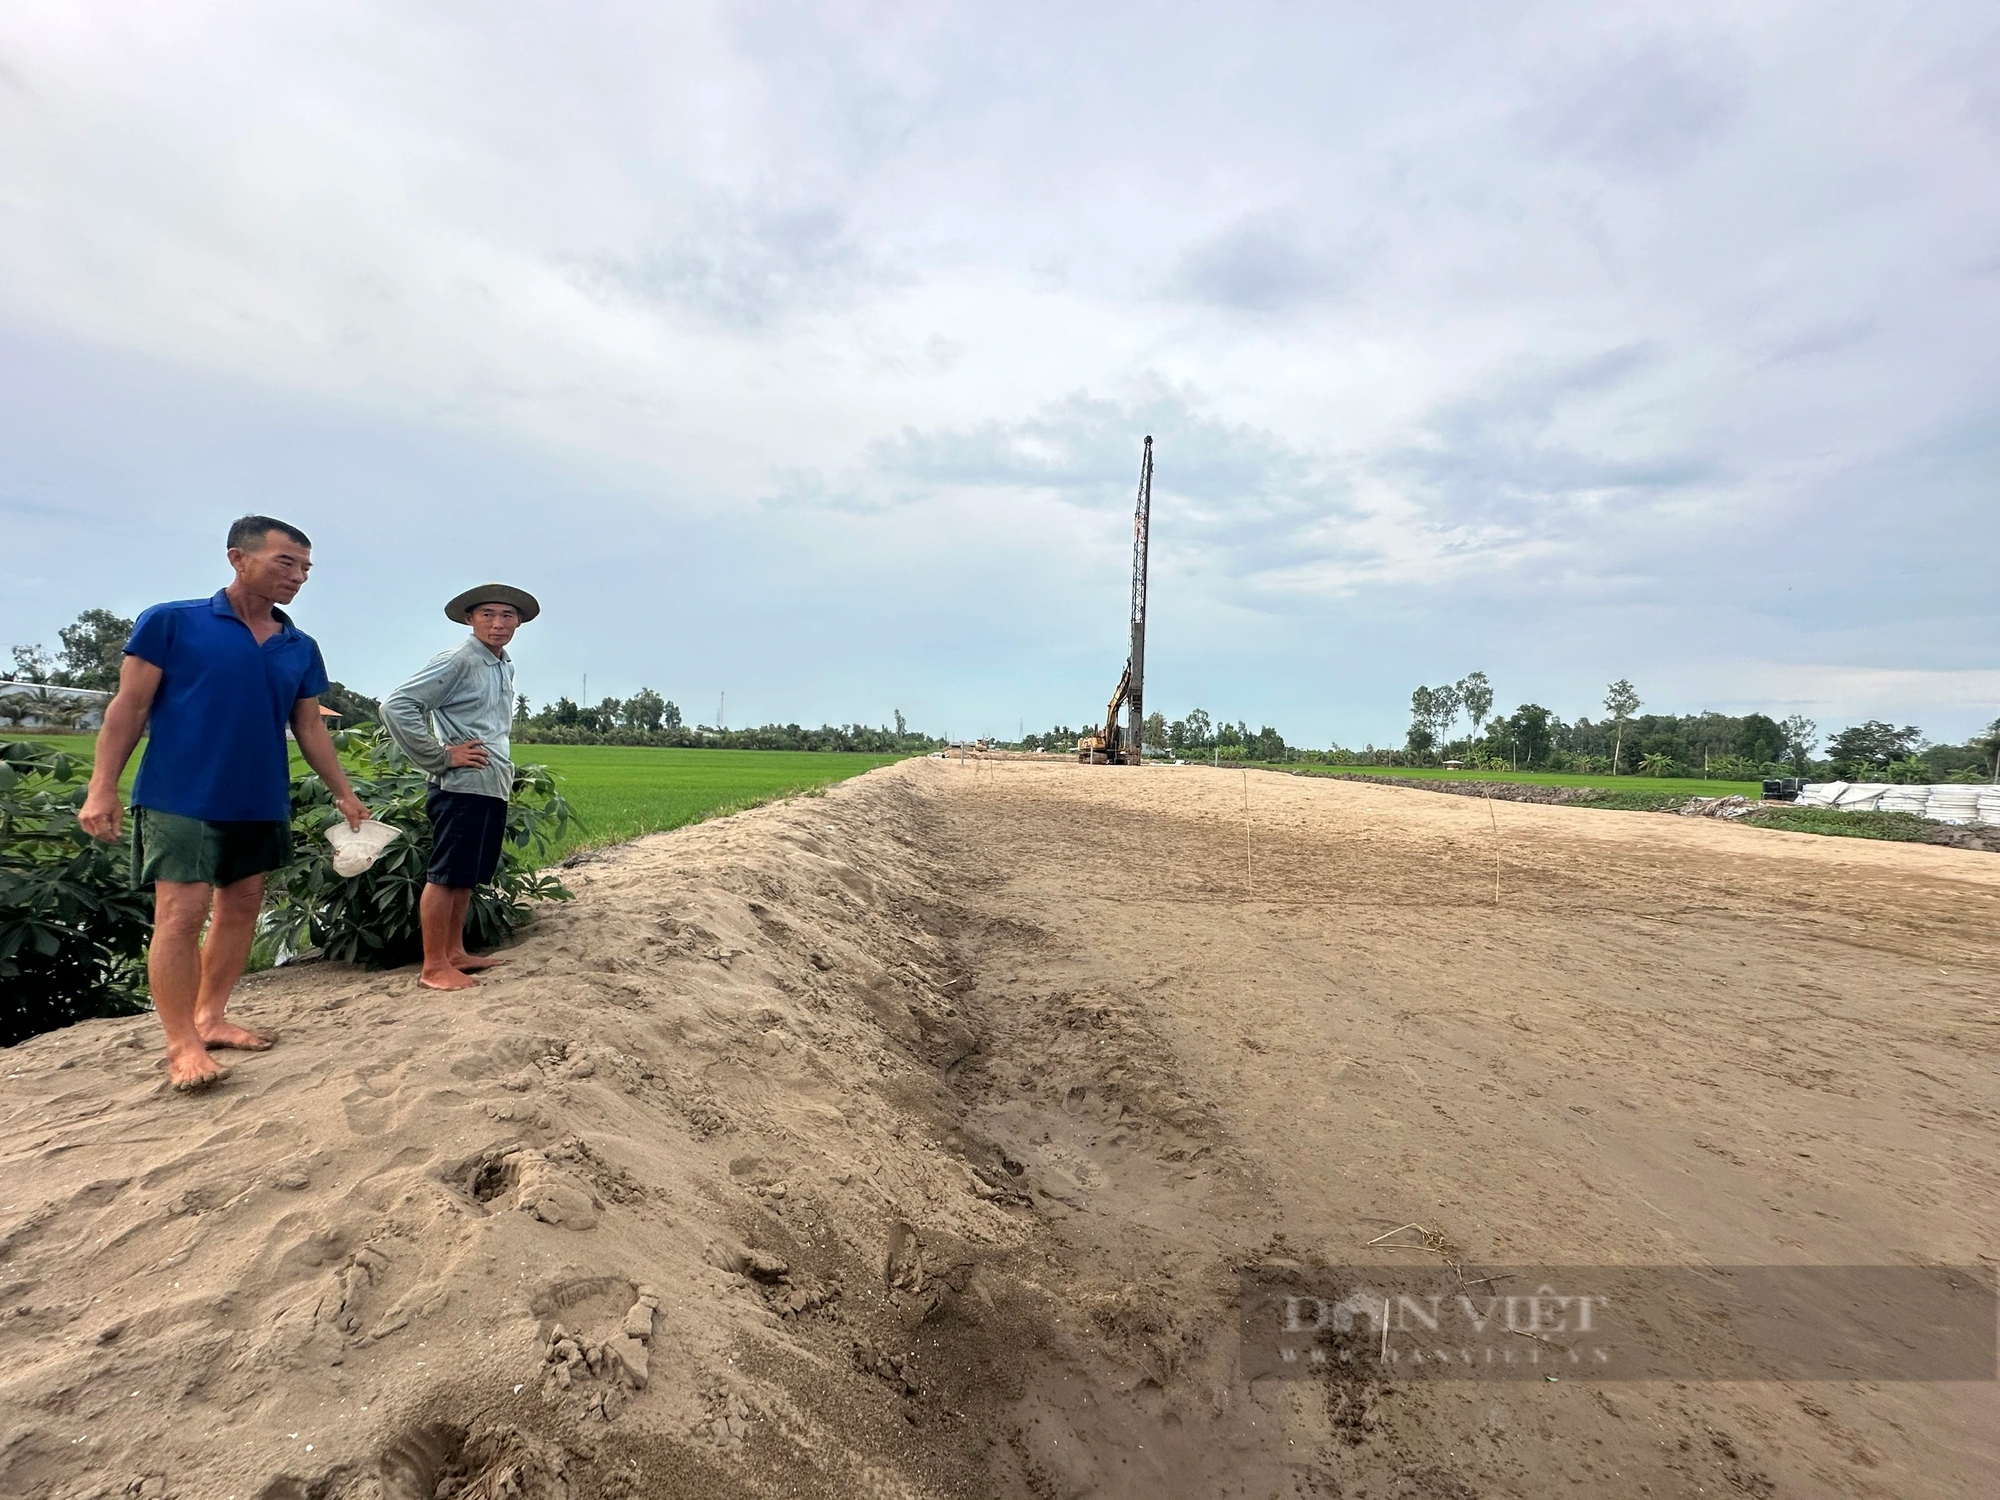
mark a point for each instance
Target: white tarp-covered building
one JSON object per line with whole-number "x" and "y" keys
{"x": 41, "y": 705}
{"x": 1948, "y": 802}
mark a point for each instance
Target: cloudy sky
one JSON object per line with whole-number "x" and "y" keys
{"x": 803, "y": 353}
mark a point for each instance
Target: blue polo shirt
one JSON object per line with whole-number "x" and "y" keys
{"x": 216, "y": 747}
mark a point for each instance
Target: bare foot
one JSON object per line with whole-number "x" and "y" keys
{"x": 472, "y": 963}
{"x": 446, "y": 979}
{"x": 191, "y": 1069}
{"x": 221, "y": 1034}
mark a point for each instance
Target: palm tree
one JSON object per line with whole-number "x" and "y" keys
{"x": 51, "y": 710}
{"x": 1656, "y": 764}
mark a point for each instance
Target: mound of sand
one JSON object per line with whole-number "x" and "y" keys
{"x": 590, "y": 1225}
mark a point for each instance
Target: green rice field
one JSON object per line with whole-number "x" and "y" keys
{"x": 619, "y": 792}
{"x": 622, "y": 791}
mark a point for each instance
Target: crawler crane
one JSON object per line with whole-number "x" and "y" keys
{"x": 1116, "y": 744}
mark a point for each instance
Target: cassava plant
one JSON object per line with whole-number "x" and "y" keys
{"x": 72, "y": 930}
{"x": 371, "y": 918}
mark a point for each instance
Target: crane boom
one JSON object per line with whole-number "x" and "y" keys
{"x": 1142, "y": 526}
{"x": 1115, "y": 745}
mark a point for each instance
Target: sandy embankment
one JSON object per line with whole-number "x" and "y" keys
{"x": 324, "y": 1275}
{"x": 1008, "y": 1069}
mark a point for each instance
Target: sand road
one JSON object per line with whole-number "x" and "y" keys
{"x": 1667, "y": 1041}
{"x": 910, "y": 1141}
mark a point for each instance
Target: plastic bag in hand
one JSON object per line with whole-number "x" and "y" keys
{"x": 355, "y": 849}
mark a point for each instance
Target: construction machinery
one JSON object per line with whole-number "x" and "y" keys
{"x": 1116, "y": 744}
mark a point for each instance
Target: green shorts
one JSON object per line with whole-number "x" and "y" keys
{"x": 167, "y": 846}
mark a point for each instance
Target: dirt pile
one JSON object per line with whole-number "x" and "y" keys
{"x": 1980, "y": 837}
{"x": 1732, "y": 806}
{"x": 678, "y": 1202}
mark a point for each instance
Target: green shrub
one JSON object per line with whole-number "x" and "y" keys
{"x": 1901, "y": 826}
{"x": 371, "y": 918}
{"x": 72, "y": 930}
{"x": 1632, "y": 799}
{"x": 1908, "y": 771}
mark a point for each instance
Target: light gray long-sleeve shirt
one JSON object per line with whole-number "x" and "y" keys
{"x": 469, "y": 693}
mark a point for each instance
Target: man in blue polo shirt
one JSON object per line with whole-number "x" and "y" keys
{"x": 217, "y": 680}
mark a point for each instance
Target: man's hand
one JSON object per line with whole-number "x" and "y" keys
{"x": 103, "y": 814}
{"x": 351, "y": 809}
{"x": 471, "y": 754}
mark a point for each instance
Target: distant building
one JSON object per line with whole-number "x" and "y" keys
{"x": 327, "y": 716}
{"x": 43, "y": 705}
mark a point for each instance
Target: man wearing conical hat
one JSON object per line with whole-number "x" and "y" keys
{"x": 453, "y": 719}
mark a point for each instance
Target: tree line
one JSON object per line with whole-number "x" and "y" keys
{"x": 647, "y": 718}
{"x": 1726, "y": 747}
{"x": 1195, "y": 736}
{"x": 1455, "y": 724}
{"x": 91, "y": 652}
{"x": 94, "y": 647}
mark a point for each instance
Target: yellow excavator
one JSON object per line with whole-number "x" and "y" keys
{"x": 1116, "y": 744}
{"x": 1106, "y": 746}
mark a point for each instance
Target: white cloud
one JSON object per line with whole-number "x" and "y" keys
{"x": 1595, "y": 342}
{"x": 1862, "y": 692}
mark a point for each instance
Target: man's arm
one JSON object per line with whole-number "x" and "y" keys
{"x": 316, "y": 745}
{"x": 103, "y": 814}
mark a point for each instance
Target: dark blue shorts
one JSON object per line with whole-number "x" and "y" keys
{"x": 467, "y": 830}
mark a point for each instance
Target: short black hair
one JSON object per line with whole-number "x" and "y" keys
{"x": 248, "y": 532}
